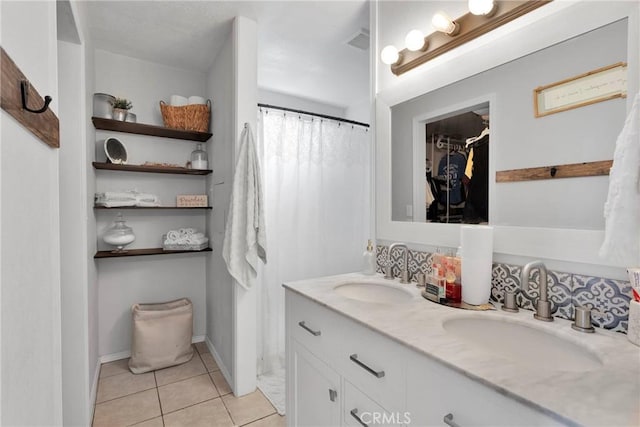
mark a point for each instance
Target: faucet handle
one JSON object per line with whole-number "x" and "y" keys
{"x": 582, "y": 322}
{"x": 510, "y": 303}
{"x": 388, "y": 273}
{"x": 404, "y": 276}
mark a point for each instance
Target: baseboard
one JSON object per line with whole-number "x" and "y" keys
{"x": 94, "y": 391}
{"x": 115, "y": 356}
{"x": 223, "y": 369}
{"x": 124, "y": 354}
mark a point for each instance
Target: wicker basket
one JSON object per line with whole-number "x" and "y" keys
{"x": 194, "y": 117}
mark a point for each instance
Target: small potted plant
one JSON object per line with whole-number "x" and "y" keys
{"x": 121, "y": 106}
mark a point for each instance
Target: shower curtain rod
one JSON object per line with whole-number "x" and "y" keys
{"x": 273, "y": 107}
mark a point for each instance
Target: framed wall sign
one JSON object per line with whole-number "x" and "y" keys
{"x": 595, "y": 86}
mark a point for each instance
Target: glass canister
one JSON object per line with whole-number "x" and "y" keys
{"x": 119, "y": 235}
{"x": 199, "y": 158}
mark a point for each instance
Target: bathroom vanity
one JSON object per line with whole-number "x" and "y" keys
{"x": 362, "y": 350}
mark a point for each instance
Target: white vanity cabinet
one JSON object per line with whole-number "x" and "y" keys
{"x": 340, "y": 372}
{"x": 316, "y": 389}
{"x": 335, "y": 364}
{"x": 435, "y": 391}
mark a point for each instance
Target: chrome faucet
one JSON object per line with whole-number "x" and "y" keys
{"x": 404, "y": 277}
{"x": 543, "y": 306}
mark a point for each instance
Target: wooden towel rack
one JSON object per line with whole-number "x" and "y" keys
{"x": 572, "y": 170}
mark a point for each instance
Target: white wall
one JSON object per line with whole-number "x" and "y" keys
{"x": 245, "y": 33}
{"x": 73, "y": 243}
{"x": 144, "y": 83}
{"x": 231, "y": 311}
{"x": 280, "y": 99}
{"x": 220, "y": 88}
{"x": 93, "y": 306}
{"x": 125, "y": 281}
{"x": 29, "y": 227}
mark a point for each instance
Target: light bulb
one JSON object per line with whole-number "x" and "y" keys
{"x": 415, "y": 40}
{"x": 442, "y": 22}
{"x": 481, "y": 7}
{"x": 390, "y": 55}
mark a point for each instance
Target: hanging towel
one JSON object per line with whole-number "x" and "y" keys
{"x": 245, "y": 235}
{"x": 622, "y": 209}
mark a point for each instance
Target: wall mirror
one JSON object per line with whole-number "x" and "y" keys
{"x": 551, "y": 219}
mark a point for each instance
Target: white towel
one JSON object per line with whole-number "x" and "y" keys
{"x": 622, "y": 209}
{"x": 245, "y": 235}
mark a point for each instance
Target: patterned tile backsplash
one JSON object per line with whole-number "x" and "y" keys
{"x": 607, "y": 298}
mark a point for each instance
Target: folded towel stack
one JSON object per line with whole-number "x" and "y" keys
{"x": 113, "y": 199}
{"x": 185, "y": 238}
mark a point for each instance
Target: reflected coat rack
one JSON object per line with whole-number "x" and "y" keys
{"x": 572, "y": 170}
{"x": 35, "y": 116}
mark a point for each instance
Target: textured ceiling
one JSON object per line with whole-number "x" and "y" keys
{"x": 302, "y": 46}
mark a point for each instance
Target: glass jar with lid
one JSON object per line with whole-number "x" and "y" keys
{"x": 119, "y": 235}
{"x": 199, "y": 158}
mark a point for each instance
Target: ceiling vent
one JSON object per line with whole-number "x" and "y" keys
{"x": 360, "y": 40}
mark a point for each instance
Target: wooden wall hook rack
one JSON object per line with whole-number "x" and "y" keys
{"x": 571, "y": 170}
{"x": 14, "y": 94}
{"x": 25, "y": 86}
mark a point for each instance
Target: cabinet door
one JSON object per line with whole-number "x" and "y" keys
{"x": 316, "y": 390}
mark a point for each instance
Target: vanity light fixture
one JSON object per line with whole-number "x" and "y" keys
{"x": 415, "y": 40}
{"x": 443, "y": 23}
{"x": 484, "y": 16}
{"x": 482, "y": 7}
{"x": 390, "y": 55}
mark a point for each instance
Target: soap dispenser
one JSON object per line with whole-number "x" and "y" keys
{"x": 369, "y": 259}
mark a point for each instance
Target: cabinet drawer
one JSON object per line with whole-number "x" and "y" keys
{"x": 435, "y": 392}
{"x": 360, "y": 410}
{"x": 373, "y": 363}
{"x": 311, "y": 325}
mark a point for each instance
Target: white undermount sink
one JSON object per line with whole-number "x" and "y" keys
{"x": 524, "y": 344}
{"x": 374, "y": 292}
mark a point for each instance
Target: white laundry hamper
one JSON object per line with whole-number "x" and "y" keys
{"x": 161, "y": 335}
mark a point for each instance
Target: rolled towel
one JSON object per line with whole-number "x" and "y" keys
{"x": 187, "y": 231}
{"x": 172, "y": 236}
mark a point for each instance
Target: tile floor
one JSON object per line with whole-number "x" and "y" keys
{"x": 192, "y": 394}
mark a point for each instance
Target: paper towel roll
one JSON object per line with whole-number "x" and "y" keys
{"x": 477, "y": 263}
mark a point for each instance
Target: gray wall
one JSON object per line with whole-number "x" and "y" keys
{"x": 125, "y": 281}
{"x": 219, "y": 287}
{"x": 519, "y": 140}
{"x": 31, "y": 391}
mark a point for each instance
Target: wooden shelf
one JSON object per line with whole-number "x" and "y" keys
{"x": 151, "y": 130}
{"x": 144, "y": 252}
{"x": 151, "y": 207}
{"x": 150, "y": 169}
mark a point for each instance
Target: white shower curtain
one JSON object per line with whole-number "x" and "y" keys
{"x": 317, "y": 205}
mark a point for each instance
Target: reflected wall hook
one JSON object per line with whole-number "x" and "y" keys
{"x": 24, "y": 88}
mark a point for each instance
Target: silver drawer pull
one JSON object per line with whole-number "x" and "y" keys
{"x": 448, "y": 420}
{"x": 333, "y": 394}
{"x": 308, "y": 329}
{"x": 354, "y": 414}
{"x": 377, "y": 374}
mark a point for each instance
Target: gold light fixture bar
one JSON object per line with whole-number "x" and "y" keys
{"x": 471, "y": 27}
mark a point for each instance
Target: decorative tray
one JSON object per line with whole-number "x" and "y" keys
{"x": 462, "y": 305}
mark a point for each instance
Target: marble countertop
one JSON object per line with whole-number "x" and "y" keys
{"x": 608, "y": 395}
